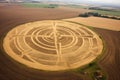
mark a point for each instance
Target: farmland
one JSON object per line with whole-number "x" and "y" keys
{"x": 103, "y": 11}
{"x": 77, "y": 6}
{"x": 39, "y": 5}
{"x": 108, "y": 30}
{"x": 98, "y": 22}
{"x": 107, "y": 11}
{"x": 111, "y": 13}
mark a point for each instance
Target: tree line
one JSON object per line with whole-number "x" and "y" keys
{"x": 88, "y": 14}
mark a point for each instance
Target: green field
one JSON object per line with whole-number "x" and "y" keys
{"x": 39, "y": 5}
{"x": 111, "y": 13}
{"x": 76, "y": 6}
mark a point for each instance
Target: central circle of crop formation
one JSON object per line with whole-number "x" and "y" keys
{"x": 52, "y": 45}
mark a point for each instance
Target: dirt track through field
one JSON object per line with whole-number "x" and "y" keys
{"x": 11, "y": 70}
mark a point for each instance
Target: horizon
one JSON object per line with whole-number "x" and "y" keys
{"x": 115, "y": 2}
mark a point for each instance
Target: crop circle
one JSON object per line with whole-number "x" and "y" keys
{"x": 52, "y": 45}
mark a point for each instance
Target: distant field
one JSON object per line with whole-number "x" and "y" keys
{"x": 39, "y": 5}
{"x": 111, "y": 13}
{"x": 77, "y": 6}
{"x": 102, "y": 12}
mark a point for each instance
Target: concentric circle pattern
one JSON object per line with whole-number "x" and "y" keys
{"x": 52, "y": 45}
